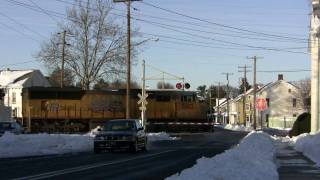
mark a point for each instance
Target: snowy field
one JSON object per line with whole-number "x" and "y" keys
{"x": 24, "y": 145}
{"x": 252, "y": 159}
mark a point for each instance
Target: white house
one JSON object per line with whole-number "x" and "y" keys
{"x": 13, "y": 81}
{"x": 284, "y": 104}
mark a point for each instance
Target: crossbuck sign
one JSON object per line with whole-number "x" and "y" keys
{"x": 143, "y": 101}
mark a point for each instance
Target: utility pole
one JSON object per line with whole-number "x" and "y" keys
{"x": 210, "y": 103}
{"x": 128, "y": 2}
{"x": 315, "y": 64}
{"x": 143, "y": 93}
{"x": 244, "y": 84}
{"x": 228, "y": 95}
{"x": 218, "y": 113}
{"x": 62, "y": 58}
{"x": 254, "y": 89}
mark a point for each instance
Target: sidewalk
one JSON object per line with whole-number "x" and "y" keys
{"x": 294, "y": 165}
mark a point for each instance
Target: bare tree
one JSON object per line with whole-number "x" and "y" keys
{"x": 55, "y": 77}
{"x": 305, "y": 91}
{"x": 97, "y": 43}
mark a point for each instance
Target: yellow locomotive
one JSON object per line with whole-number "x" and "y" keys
{"x": 75, "y": 110}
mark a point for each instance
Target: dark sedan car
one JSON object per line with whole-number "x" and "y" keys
{"x": 121, "y": 134}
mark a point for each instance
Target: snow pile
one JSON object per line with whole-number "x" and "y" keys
{"x": 236, "y": 127}
{"x": 94, "y": 132}
{"x": 160, "y": 137}
{"x": 252, "y": 159}
{"x": 309, "y": 145}
{"x": 12, "y": 145}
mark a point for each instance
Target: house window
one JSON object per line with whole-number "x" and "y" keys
{"x": 294, "y": 102}
{"x": 289, "y": 90}
{"x": 14, "y": 112}
{"x": 14, "y": 98}
{"x": 294, "y": 115}
{"x": 268, "y": 102}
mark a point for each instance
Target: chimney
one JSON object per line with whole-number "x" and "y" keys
{"x": 280, "y": 77}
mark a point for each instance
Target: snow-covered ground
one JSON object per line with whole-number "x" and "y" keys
{"x": 12, "y": 145}
{"x": 160, "y": 137}
{"x": 23, "y": 145}
{"x": 235, "y": 127}
{"x": 252, "y": 159}
{"x": 309, "y": 145}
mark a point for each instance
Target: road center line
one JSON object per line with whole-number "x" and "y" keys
{"x": 86, "y": 167}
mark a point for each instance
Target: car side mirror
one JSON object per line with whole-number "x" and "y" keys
{"x": 99, "y": 129}
{"x": 140, "y": 129}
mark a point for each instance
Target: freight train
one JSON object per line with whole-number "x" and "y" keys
{"x": 75, "y": 110}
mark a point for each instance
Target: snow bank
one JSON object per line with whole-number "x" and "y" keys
{"x": 309, "y": 145}
{"x": 236, "y": 127}
{"x": 94, "y": 131}
{"x": 160, "y": 137}
{"x": 252, "y": 159}
{"x": 12, "y": 145}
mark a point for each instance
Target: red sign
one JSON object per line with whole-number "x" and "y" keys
{"x": 178, "y": 85}
{"x": 261, "y": 104}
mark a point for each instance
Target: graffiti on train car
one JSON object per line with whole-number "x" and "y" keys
{"x": 102, "y": 106}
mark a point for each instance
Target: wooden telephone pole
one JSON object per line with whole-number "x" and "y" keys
{"x": 228, "y": 95}
{"x": 128, "y": 2}
{"x": 62, "y": 58}
{"x": 254, "y": 89}
{"x": 244, "y": 84}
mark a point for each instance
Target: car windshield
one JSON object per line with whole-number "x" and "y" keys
{"x": 119, "y": 126}
{"x": 5, "y": 126}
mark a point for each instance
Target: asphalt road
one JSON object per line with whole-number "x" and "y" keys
{"x": 164, "y": 158}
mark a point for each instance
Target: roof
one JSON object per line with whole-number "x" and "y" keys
{"x": 269, "y": 85}
{"x": 8, "y": 77}
{"x": 22, "y": 78}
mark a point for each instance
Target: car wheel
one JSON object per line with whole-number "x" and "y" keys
{"x": 135, "y": 147}
{"x": 144, "y": 148}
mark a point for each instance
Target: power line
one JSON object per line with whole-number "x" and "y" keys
{"x": 26, "y": 27}
{"x": 219, "y": 24}
{"x": 185, "y": 22}
{"x": 223, "y": 34}
{"x": 222, "y": 41}
{"x": 44, "y": 11}
{"x": 19, "y": 32}
{"x": 237, "y": 44}
{"x": 161, "y": 25}
{"x": 19, "y": 63}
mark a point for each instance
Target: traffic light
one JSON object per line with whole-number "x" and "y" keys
{"x": 187, "y": 85}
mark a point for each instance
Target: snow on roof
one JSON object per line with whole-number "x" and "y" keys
{"x": 8, "y": 77}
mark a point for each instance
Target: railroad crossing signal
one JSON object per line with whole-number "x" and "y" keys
{"x": 142, "y": 108}
{"x": 143, "y": 99}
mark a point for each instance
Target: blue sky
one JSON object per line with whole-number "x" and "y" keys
{"x": 199, "y": 58}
